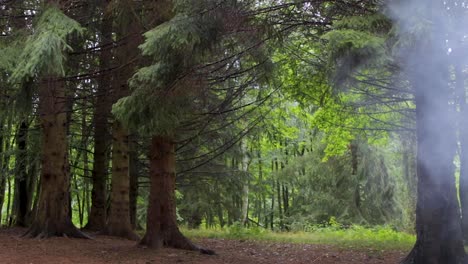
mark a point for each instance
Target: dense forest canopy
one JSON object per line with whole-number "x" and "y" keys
{"x": 124, "y": 115}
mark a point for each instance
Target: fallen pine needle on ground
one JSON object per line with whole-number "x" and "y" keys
{"x": 104, "y": 249}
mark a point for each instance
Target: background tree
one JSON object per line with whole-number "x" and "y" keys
{"x": 129, "y": 32}
{"x": 98, "y": 213}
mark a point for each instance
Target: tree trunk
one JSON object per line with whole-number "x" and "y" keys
{"x": 262, "y": 205}
{"x": 161, "y": 224}
{"x": 78, "y": 199}
{"x": 98, "y": 214}
{"x": 33, "y": 188}
{"x": 21, "y": 177}
{"x": 84, "y": 144}
{"x": 219, "y": 208}
{"x": 52, "y": 215}
{"x": 246, "y": 181}
{"x": 118, "y": 223}
{"x": 9, "y": 215}
{"x": 133, "y": 170}
{"x": 280, "y": 207}
{"x": 6, "y": 169}
{"x": 2, "y": 172}
{"x": 272, "y": 211}
{"x": 438, "y": 226}
{"x": 21, "y": 197}
{"x": 127, "y": 58}
{"x": 245, "y": 204}
{"x": 285, "y": 199}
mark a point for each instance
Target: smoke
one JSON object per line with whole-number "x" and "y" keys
{"x": 431, "y": 38}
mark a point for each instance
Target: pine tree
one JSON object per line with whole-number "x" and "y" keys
{"x": 44, "y": 55}
{"x": 438, "y": 225}
{"x": 175, "y": 47}
{"x": 427, "y": 69}
{"x": 127, "y": 54}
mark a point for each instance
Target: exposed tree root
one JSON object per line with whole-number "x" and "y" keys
{"x": 47, "y": 231}
{"x": 179, "y": 241}
{"x": 410, "y": 258}
{"x": 173, "y": 239}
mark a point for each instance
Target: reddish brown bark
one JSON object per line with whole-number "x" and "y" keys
{"x": 126, "y": 59}
{"x": 52, "y": 216}
{"x": 118, "y": 223}
{"x": 161, "y": 224}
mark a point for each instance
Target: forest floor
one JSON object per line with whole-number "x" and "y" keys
{"x": 103, "y": 249}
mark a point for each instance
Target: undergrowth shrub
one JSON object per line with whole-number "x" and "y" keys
{"x": 330, "y": 233}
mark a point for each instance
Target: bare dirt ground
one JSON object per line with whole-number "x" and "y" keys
{"x": 102, "y": 249}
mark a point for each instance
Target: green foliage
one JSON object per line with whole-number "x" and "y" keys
{"x": 174, "y": 47}
{"x": 238, "y": 231}
{"x": 355, "y": 237}
{"x": 303, "y": 144}
{"x": 10, "y": 53}
{"x": 180, "y": 78}
{"x": 361, "y": 45}
{"x": 337, "y": 127}
{"x": 304, "y": 76}
{"x": 183, "y": 37}
{"x": 342, "y": 122}
{"x": 44, "y": 52}
{"x": 371, "y": 23}
{"x": 405, "y": 36}
{"x": 158, "y": 118}
{"x": 153, "y": 108}
{"x": 350, "y": 50}
{"x": 326, "y": 189}
{"x": 354, "y": 43}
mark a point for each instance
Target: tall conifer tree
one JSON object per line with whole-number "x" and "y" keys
{"x": 44, "y": 55}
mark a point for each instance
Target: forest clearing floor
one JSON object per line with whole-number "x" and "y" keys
{"x": 104, "y": 249}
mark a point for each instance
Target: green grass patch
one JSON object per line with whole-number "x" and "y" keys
{"x": 355, "y": 237}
